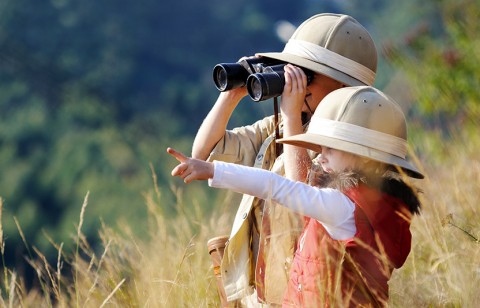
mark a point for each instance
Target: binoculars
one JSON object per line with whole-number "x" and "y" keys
{"x": 264, "y": 77}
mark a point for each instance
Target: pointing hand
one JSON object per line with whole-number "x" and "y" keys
{"x": 190, "y": 169}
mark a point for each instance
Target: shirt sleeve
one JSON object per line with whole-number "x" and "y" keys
{"x": 241, "y": 145}
{"x": 329, "y": 206}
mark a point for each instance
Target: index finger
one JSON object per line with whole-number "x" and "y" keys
{"x": 178, "y": 155}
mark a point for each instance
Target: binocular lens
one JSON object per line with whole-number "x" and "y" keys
{"x": 220, "y": 79}
{"x": 228, "y": 76}
{"x": 255, "y": 89}
{"x": 262, "y": 86}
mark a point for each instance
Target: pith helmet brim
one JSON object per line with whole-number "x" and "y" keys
{"x": 315, "y": 67}
{"x": 334, "y": 45}
{"x": 359, "y": 120}
{"x": 315, "y": 141}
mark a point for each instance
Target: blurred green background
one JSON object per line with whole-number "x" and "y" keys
{"x": 92, "y": 93}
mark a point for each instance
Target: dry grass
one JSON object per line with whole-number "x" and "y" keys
{"x": 173, "y": 269}
{"x": 443, "y": 268}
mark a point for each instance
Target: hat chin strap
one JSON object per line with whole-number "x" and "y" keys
{"x": 308, "y": 106}
{"x": 279, "y": 146}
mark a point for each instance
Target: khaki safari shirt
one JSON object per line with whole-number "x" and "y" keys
{"x": 254, "y": 145}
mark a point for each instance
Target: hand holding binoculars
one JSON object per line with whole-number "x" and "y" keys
{"x": 264, "y": 77}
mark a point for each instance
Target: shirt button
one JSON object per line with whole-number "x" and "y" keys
{"x": 244, "y": 215}
{"x": 299, "y": 287}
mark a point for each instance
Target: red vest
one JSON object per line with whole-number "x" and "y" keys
{"x": 328, "y": 272}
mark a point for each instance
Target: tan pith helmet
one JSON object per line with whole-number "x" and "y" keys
{"x": 360, "y": 120}
{"x": 334, "y": 45}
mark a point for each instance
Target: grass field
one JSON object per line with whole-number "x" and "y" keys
{"x": 172, "y": 267}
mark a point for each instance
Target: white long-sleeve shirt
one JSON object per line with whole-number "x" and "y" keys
{"x": 333, "y": 209}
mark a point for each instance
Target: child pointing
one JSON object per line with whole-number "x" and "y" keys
{"x": 357, "y": 208}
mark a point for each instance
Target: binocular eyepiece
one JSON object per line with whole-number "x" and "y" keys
{"x": 264, "y": 77}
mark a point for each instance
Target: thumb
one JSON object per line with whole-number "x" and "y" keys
{"x": 178, "y": 155}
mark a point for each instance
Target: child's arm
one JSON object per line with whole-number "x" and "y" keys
{"x": 329, "y": 206}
